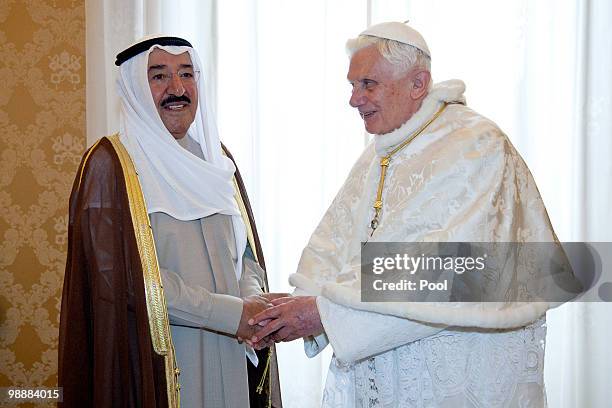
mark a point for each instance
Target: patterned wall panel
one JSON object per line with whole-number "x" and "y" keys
{"x": 42, "y": 131}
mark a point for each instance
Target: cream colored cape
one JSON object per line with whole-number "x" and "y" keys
{"x": 461, "y": 180}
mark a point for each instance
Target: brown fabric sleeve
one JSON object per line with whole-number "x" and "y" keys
{"x": 105, "y": 352}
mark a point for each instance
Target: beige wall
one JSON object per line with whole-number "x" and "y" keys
{"x": 42, "y": 130}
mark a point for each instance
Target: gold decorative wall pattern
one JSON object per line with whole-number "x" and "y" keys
{"x": 42, "y": 137}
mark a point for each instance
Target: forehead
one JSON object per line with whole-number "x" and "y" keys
{"x": 164, "y": 58}
{"x": 369, "y": 63}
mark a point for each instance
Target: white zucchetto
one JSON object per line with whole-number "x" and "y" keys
{"x": 400, "y": 32}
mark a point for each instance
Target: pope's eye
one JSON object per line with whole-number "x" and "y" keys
{"x": 368, "y": 84}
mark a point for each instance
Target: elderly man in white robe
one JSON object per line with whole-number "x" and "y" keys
{"x": 436, "y": 171}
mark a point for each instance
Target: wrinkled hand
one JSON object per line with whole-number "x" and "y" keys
{"x": 272, "y": 296}
{"x": 289, "y": 319}
{"x": 252, "y": 305}
{"x": 268, "y": 341}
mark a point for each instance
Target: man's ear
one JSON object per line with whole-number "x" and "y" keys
{"x": 420, "y": 84}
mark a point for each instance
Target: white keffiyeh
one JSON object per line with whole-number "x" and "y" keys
{"x": 173, "y": 180}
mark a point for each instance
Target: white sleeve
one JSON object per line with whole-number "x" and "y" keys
{"x": 313, "y": 345}
{"x": 357, "y": 334}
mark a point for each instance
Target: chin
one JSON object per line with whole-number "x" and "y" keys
{"x": 370, "y": 129}
{"x": 374, "y": 128}
{"x": 374, "y": 131}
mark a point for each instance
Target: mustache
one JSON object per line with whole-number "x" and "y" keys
{"x": 174, "y": 98}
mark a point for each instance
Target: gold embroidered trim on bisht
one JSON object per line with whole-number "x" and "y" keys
{"x": 159, "y": 324}
{"x": 85, "y": 161}
{"x": 245, "y": 218}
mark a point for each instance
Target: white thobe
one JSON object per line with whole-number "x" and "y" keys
{"x": 197, "y": 260}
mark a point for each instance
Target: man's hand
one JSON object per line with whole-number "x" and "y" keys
{"x": 290, "y": 319}
{"x": 252, "y": 305}
{"x": 272, "y": 296}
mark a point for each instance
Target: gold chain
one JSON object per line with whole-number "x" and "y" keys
{"x": 384, "y": 163}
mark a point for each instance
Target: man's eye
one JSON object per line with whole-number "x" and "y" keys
{"x": 186, "y": 75}
{"x": 368, "y": 84}
{"x": 158, "y": 77}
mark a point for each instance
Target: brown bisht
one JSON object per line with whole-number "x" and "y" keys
{"x": 115, "y": 345}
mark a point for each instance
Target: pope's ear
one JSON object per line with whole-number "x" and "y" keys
{"x": 420, "y": 84}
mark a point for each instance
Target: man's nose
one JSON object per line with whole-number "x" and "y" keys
{"x": 175, "y": 86}
{"x": 357, "y": 97}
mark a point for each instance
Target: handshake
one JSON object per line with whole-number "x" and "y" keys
{"x": 274, "y": 317}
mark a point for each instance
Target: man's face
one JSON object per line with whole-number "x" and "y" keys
{"x": 384, "y": 98}
{"x": 174, "y": 89}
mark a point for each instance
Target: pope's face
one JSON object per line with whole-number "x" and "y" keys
{"x": 174, "y": 89}
{"x": 384, "y": 98}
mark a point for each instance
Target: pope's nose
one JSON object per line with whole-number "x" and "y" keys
{"x": 357, "y": 98}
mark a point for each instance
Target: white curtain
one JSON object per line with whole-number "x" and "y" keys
{"x": 541, "y": 70}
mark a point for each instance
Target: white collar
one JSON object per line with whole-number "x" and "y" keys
{"x": 443, "y": 92}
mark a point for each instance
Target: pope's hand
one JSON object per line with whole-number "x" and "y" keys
{"x": 289, "y": 319}
{"x": 273, "y": 296}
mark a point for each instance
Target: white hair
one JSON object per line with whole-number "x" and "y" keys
{"x": 401, "y": 55}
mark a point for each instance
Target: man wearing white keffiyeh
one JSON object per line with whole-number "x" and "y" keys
{"x": 436, "y": 171}
{"x": 162, "y": 237}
